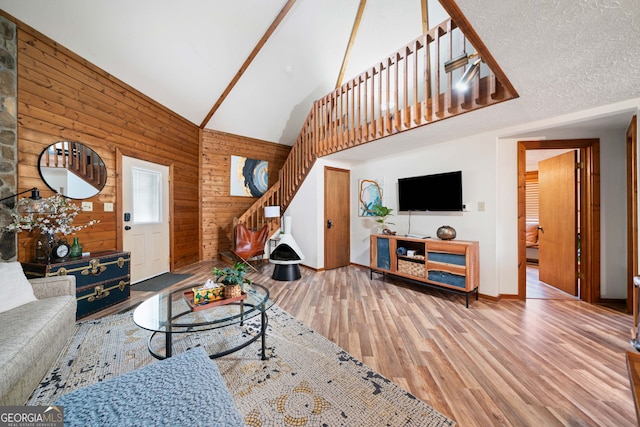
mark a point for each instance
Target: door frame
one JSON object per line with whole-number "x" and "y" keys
{"x": 589, "y": 205}
{"x": 632, "y": 218}
{"x": 121, "y": 151}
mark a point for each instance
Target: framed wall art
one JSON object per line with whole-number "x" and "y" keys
{"x": 369, "y": 194}
{"x": 249, "y": 177}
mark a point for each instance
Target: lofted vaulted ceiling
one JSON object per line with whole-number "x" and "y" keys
{"x": 561, "y": 56}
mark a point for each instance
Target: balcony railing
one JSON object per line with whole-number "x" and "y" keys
{"x": 407, "y": 90}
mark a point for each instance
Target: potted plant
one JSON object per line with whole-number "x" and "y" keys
{"x": 232, "y": 278}
{"x": 381, "y": 213}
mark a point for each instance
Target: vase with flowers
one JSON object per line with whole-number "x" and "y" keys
{"x": 51, "y": 226}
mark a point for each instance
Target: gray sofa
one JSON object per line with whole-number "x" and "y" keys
{"x": 32, "y": 336}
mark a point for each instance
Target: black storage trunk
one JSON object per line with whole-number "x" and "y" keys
{"x": 102, "y": 279}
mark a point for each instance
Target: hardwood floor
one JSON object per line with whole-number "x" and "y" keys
{"x": 511, "y": 363}
{"x": 540, "y": 290}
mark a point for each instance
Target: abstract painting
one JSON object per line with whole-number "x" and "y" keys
{"x": 249, "y": 177}
{"x": 370, "y": 194}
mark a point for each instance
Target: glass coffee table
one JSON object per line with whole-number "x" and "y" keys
{"x": 169, "y": 313}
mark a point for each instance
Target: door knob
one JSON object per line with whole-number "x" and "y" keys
{"x": 540, "y": 228}
{"x": 329, "y": 223}
{"x": 127, "y": 227}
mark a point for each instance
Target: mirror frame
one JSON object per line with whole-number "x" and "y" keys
{"x": 89, "y": 175}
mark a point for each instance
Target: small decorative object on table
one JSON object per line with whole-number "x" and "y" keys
{"x": 76, "y": 249}
{"x": 232, "y": 276}
{"x": 210, "y": 291}
{"x": 226, "y": 287}
{"x": 446, "y": 233}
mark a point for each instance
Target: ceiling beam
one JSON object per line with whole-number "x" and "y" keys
{"x": 248, "y": 61}
{"x": 352, "y": 38}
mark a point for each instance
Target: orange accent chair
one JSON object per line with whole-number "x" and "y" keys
{"x": 250, "y": 243}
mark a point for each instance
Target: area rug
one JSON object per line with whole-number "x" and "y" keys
{"x": 160, "y": 282}
{"x": 307, "y": 380}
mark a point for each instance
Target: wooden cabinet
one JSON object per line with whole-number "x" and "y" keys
{"x": 451, "y": 265}
{"x": 102, "y": 279}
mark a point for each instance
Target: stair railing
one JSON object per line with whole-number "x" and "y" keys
{"x": 407, "y": 90}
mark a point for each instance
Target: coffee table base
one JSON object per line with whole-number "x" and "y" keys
{"x": 264, "y": 322}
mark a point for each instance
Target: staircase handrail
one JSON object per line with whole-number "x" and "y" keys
{"x": 404, "y": 91}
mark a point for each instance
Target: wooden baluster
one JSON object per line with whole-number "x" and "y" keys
{"x": 439, "y": 107}
{"x": 413, "y": 110}
{"x": 395, "y": 117}
{"x": 357, "y": 135}
{"x": 449, "y": 92}
{"x": 351, "y": 113}
{"x": 387, "y": 91}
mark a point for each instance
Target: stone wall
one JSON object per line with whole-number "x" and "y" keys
{"x": 8, "y": 139}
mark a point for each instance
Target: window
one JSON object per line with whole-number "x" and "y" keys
{"x": 532, "y": 196}
{"x": 147, "y": 196}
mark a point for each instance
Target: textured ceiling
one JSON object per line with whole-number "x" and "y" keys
{"x": 561, "y": 56}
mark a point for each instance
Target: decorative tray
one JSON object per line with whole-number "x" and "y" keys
{"x": 188, "y": 298}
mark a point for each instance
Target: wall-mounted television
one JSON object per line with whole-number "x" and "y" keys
{"x": 440, "y": 192}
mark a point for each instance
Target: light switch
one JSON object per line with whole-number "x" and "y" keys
{"x": 87, "y": 206}
{"x": 480, "y": 206}
{"x": 108, "y": 207}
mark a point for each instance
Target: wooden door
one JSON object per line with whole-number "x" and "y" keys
{"x": 145, "y": 204}
{"x": 558, "y": 260}
{"x": 336, "y": 218}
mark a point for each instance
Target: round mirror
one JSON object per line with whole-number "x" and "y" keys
{"x": 72, "y": 169}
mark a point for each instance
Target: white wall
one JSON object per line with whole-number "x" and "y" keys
{"x": 476, "y": 157}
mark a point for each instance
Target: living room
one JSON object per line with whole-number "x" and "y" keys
{"x": 96, "y": 108}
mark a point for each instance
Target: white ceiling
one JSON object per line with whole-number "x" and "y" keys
{"x": 561, "y": 56}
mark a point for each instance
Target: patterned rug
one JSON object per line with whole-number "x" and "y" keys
{"x": 307, "y": 380}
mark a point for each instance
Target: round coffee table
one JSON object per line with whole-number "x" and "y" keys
{"x": 169, "y": 313}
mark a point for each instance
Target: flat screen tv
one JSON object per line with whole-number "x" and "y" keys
{"x": 438, "y": 192}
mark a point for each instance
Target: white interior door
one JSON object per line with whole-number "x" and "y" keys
{"x": 145, "y": 206}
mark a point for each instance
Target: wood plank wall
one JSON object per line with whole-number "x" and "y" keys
{"x": 218, "y": 207}
{"x": 61, "y": 96}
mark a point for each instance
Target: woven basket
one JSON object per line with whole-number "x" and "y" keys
{"x": 411, "y": 268}
{"x": 232, "y": 291}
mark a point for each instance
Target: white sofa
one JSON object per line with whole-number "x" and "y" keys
{"x": 33, "y": 334}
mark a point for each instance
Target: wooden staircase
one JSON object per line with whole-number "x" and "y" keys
{"x": 407, "y": 90}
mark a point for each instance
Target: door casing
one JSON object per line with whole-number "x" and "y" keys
{"x": 589, "y": 213}
{"x": 632, "y": 219}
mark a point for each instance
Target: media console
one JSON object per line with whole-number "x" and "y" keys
{"x": 450, "y": 265}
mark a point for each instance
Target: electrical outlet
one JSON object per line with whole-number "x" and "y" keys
{"x": 480, "y": 206}
{"x": 108, "y": 207}
{"x": 467, "y": 206}
{"x": 87, "y": 206}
